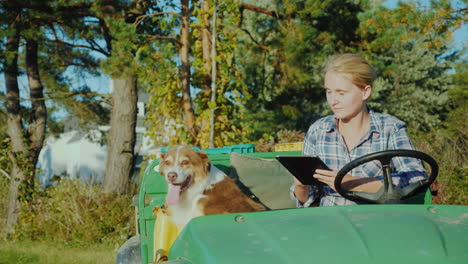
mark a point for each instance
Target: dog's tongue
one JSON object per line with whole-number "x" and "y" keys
{"x": 173, "y": 194}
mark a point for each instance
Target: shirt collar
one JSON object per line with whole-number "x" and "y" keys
{"x": 331, "y": 126}
{"x": 374, "y": 125}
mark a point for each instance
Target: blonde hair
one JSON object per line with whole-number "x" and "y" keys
{"x": 353, "y": 67}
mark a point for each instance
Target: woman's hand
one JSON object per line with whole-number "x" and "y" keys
{"x": 328, "y": 177}
{"x": 301, "y": 191}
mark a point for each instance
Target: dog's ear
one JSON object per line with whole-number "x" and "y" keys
{"x": 203, "y": 156}
{"x": 205, "y": 160}
{"x": 161, "y": 157}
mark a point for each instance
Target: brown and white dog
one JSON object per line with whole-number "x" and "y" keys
{"x": 197, "y": 188}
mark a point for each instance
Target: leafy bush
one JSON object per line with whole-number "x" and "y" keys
{"x": 449, "y": 147}
{"x": 267, "y": 142}
{"x": 290, "y": 136}
{"x": 264, "y": 145}
{"x": 77, "y": 213}
{"x": 5, "y": 168}
{"x": 4, "y": 183}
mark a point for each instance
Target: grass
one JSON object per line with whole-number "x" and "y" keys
{"x": 22, "y": 252}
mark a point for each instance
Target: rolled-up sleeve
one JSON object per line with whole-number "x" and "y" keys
{"x": 308, "y": 149}
{"x": 313, "y": 191}
{"x": 407, "y": 170}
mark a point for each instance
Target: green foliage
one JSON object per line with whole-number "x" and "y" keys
{"x": 380, "y": 27}
{"x": 290, "y": 136}
{"x": 165, "y": 117}
{"x": 5, "y": 163}
{"x": 77, "y": 213}
{"x": 449, "y": 149}
{"x": 25, "y": 161}
{"x": 448, "y": 144}
{"x": 121, "y": 63}
{"x": 268, "y": 141}
{"x": 3, "y": 121}
{"x": 409, "y": 46}
{"x": 283, "y": 66}
{"x": 414, "y": 85}
{"x": 5, "y": 168}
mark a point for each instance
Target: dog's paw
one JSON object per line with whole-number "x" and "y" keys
{"x": 163, "y": 210}
{"x": 156, "y": 209}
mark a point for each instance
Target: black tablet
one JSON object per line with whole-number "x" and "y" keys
{"x": 303, "y": 167}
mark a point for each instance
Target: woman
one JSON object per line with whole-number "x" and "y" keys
{"x": 353, "y": 131}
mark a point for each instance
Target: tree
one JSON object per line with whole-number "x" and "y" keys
{"x": 106, "y": 27}
{"x": 409, "y": 46}
{"x": 25, "y": 28}
{"x": 121, "y": 135}
{"x": 26, "y": 143}
{"x": 415, "y": 85}
{"x": 121, "y": 67}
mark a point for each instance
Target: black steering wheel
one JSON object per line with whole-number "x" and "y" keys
{"x": 388, "y": 193}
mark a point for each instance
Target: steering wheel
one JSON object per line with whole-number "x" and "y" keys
{"x": 389, "y": 193}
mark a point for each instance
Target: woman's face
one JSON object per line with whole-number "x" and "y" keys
{"x": 345, "y": 99}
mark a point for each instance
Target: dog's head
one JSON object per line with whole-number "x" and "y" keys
{"x": 183, "y": 166}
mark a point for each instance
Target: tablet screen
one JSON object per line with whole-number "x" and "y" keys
{"x": 303, "y": 167}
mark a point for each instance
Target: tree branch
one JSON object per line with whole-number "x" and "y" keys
{"x": 5, "y": 173}
{"x": 258, "y": 10}
{"x": 82, "y": 46}
{"x": 106, "y": 33}
{"x": 92, "y": 47}
{"x": 256, "y": 42}
{"x": 140, "y": 18}
{"x": 57, "y": 40}
{"x": 61, "y": 95}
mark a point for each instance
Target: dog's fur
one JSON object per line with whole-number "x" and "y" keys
{"x": 205, "y": 190}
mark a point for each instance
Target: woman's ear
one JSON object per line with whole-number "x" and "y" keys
{"x": 367, "y": 91}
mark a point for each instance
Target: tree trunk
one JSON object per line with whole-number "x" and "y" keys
{"x": 24, "y": 161}
{"x": 206, "y": 54}
{"x": 213, "y": 81}
{"x": 206, "y": 48}
{"x": 15, "y": 129}
{"x": 14, "y": 204}
{"x": 121, "y": 137}
{"x": 189, "y": 113}
{"x": 37, "y": 127}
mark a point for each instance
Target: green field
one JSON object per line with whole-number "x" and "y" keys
{"x": 22, "y": 252}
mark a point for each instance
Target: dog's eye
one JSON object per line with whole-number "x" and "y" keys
{"x": 166, "y": 162}
{"x": 184, "y": 162}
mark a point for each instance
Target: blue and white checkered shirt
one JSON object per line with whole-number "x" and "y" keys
{"x": 386, "y": 132}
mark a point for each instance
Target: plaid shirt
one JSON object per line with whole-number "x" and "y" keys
{"x": 386, "y": 132}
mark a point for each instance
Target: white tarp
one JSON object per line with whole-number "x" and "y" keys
{"x": 79, "y": 156}
{"x": 72, "y": 155}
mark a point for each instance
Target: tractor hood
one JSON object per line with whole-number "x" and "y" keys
{"x": 341, "y": 234}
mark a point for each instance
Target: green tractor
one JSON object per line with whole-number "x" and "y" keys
{"x": 395, "y": 225}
